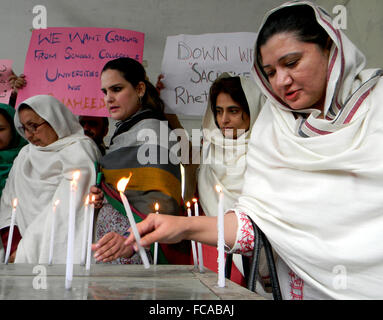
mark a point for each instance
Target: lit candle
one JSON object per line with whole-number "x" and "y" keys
{"x": 52, "y": 232}
{"x": 192, "y": 242}
{"x": 156, "y": 207}
{"x": 121, "y": 185}
{"x": 71, "y": 227}
{"x": 90, "y": 234}
{"x": 221, "y": 239}
{"x": 10, "y": 234}
{"x": 199, "y": 245}
{"x": 84, "y": 233}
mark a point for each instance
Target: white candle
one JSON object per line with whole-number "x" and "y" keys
{"x": 121, "y": 185}
{"x": 156, "y": 207}
{"x": 221, "y": 240}
{"x": 52, "y": 232}
{"x": 90, "y": 234}
{"x": 84, "y": 233}
{"x": 199, "y": 245}
{"x": 71, "y": 227}
{"x": 192, "y": 242}
{"x": 10, "y": 234}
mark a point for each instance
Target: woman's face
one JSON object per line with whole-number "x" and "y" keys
{"x": 5, "y": 133}
{"x": 121, "y": 98}
{"x": 37, "y": 131}
{"x": 297, "y": 71}
{"x": 230, "y": 116}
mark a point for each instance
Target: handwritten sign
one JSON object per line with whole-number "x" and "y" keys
{"x": 5, "y": 73}
{"x": 191, "y": 63}
{"x": 67, "y": 63}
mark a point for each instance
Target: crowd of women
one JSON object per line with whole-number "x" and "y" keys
{"x": 305, "y": 167}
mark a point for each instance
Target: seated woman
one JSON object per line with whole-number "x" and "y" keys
{"x": 140, "y": 146}
{"x": 42, "y": 174}
{"x": 10, "y": 145}
{"x": 314, "y": 174}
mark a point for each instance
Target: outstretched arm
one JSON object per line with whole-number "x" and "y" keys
{"x": 172, "y": 229}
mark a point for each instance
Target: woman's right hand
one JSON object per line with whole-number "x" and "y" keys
{"x": 160, "y": 85}
{"x": 98, "y": 196}
{"x": 17, "y": 82}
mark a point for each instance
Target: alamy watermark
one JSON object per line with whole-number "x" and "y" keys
{"x": 39, "y": 282}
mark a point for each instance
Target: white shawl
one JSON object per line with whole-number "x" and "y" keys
{"x": 42, "y": 175}
{"x": 315, "y": 187}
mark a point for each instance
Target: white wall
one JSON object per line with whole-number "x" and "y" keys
{"x": 160, "y": 18}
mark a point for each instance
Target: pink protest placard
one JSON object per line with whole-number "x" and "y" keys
{"x": 67, "y": 63}
{"x": 5, "y": 88}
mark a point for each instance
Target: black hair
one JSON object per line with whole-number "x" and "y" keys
{"x": 298, "y": 19}
{"x": 9, "y": 119}
{"x": 232, "y": 86}
{"x": 134, "y": 72}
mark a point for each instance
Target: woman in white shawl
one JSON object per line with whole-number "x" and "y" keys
{"x": 42, "y": 173}
{"x": 223, "y": 160}
{"x": 314, "y": 171}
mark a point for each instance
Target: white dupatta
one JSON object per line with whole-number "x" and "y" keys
{"x": 315, "y": 186}
{"x": 42, "y": 175}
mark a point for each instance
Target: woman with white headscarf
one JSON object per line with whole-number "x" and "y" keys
{"x": 42, "y": 173}
{"x": 314, "y": 178}
{"x": 233, "y": 105}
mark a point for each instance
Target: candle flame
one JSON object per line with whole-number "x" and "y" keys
{"x": 93, "y": 198}
{"x": 218, "y": 188}
{"x": 76, "y": 175}
{"x": 14, "y": 203}
{"x": 122, "y": 183}
{"x": 87, "y": 200}
{"x": 188, "y": 204}
{"x": 194, "y": 200}
{"x": 156, "y": 206}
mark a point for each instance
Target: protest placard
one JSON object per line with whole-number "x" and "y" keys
{"x": 5, "y": 88}
{"x": 191, "y": 63}
{"x": 67, "y": 63}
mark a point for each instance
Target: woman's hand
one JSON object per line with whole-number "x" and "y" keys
{"x": 159, "y": 228}
{"x": 111, "y": 247}
{"x": 17, "y": 82}
{"x": 173, "y": 229}
{"x": 98, "y": 197}
{"x": 160, "y": 85}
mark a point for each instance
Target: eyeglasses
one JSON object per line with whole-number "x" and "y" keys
{"x": 31, "y": 128}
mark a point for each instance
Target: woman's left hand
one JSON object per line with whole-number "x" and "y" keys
{"x": 111, "y": 247}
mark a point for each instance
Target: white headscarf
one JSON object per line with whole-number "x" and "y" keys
{"x": 42, "y": 175}
{"x": 224, "y": 159}
{"x": 314, "y": 186}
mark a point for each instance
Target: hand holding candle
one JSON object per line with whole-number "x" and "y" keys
{"x": 10, "y": 235}
{"x": 192, "y": 242}
{"x": 121, "y": 185}
{"x": 221, "y": 239}
{"x": 52, "y": 232}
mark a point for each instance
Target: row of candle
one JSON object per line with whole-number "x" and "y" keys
{"x": 86, "y": 245}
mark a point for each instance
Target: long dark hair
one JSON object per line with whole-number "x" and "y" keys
{"x": 134, "y": 72}
{"x": 232, "y": 86}
{"x": 300, "y": 20}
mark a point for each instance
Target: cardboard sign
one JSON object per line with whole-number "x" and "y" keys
{"x": 5, "y": 73}
{"x": 67, "y": 63}
{"x": 191, "y": 63}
